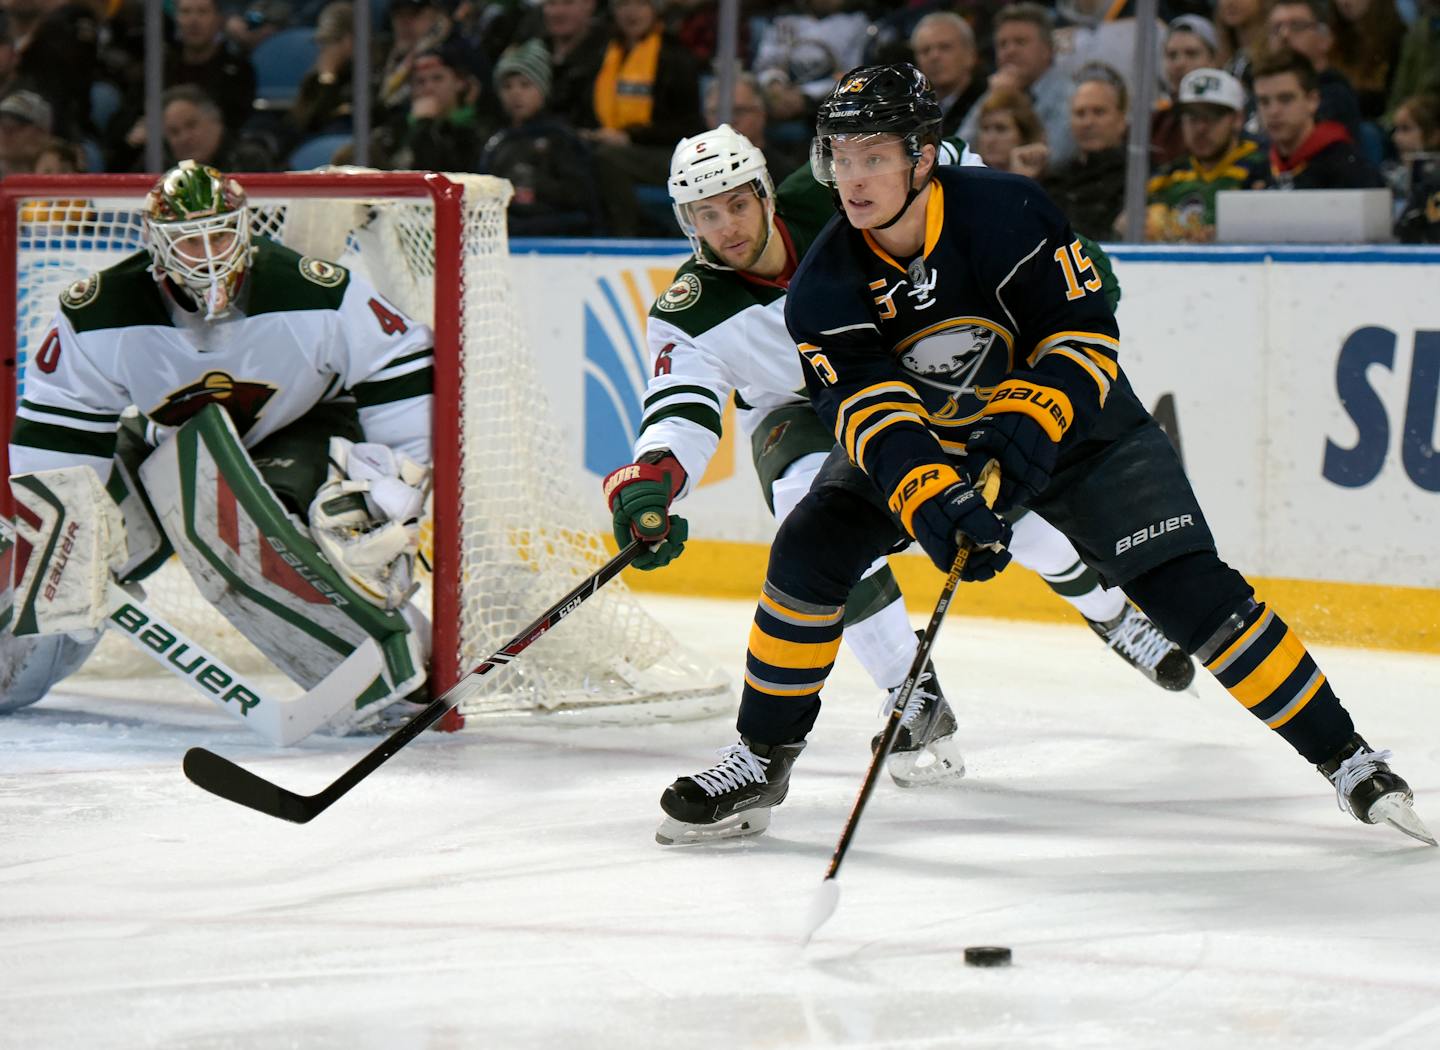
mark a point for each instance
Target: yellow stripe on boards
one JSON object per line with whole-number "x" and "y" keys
{"x": 1368, "y": 616}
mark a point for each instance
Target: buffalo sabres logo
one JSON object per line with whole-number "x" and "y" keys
{"x": 82, "y": 292}
{"x": 325, "y": 274}
{"x": 683, "y": 293}
{"x": 951, "y": 358}
{"x": 853, "y": 85}
{"x": 242, "y": 400}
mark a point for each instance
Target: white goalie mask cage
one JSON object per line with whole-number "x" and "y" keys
{"x": 711, "y": 163}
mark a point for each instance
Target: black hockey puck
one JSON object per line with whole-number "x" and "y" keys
{"x": 987, "y": 956}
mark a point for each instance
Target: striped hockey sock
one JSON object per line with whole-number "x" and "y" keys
{"x": 792, "y": 648}
{"x": 1267, "y": 668}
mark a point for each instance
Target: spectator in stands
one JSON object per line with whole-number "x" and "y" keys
{"x": 1090, "y": 187}
{"x": 576, "y": 41}
{"x": 1182, "y": 194}
{"x": 802, "y": 55}
{"x": 416, "y": 27}
{"x": 443, "y": 131}
{"x": 1241, "y": 24}
{"x": 195, "y": 129}
{"x": 1367, "y": 36}
{"x": 1103, "y": 32}
{"x": 258, "y": 23}
{"x": 646, "y": 98}
{"x": 26, "y": 120}
{"x": 1419, "y": 69}
{"x": 1304, "y": 154}
{"x": 944, "y": 48}
{"x": 747, "y": 116}
{"x": 1414, "y": 134}
{"x": 206, "y": 59}
{"x": 322, "y": 105}
{"x": 1190, "y": 43}
{"x": 1300, "y": 26}
{"x": 57, "y": 49}
{"x": 1011, "y": 136}
{"x": 539, "y": 153}
{"x": 59, "y": 157}
{"x": 1024, "y": 61}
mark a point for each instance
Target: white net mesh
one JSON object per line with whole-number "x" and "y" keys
{"x": 524, "y": 534}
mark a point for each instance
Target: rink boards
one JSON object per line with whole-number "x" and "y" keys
{"x": 1301, "y": 383}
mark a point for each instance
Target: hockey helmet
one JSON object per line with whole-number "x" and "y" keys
{"x": 198, "y": 229}
{"x": 711, "y": 163}
{"x": 871, "y": 101}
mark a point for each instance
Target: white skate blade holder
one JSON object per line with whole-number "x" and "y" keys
{"x": 1396, "y": 810}
{"x": 672, "y": 832}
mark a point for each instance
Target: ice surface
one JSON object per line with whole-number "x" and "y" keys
{"x": 1168, "y": 874}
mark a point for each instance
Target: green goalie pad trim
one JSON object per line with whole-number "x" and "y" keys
{"x": 56, "y": 438}
{"x": 25, "y": 623}
{"x": 382, "y": 392}
{"x": 7, "y": 562}
{"x": 212, "y": 426}
{"x": 120, "y": 486}
{"x": 701, "y": 414}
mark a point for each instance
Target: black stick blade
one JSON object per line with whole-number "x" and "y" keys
{"x": 224, "y": 778}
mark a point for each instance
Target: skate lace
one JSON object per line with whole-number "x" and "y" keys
{"x": 1140, "y": 640}
{"x": 919, "y": 698}
{"x": 1353, "y": 772}
{"x": 737, "y": 767}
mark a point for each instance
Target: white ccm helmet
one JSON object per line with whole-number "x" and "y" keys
{"x": 717, "y": 161}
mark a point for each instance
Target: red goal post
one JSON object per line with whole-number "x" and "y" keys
{"x": 444, "y": 240}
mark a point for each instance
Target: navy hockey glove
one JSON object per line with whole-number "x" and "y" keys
{"x": 639, "y": 496}
{"x": 940, "y": 508}
{"x": 1021, "y": 431}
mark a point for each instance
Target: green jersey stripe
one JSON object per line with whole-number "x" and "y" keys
{"x": 671, "y": 391}
{"x": 55, "y": 438}
{"x": 705, "y": 417}
{"x": 70, "y": 413}
{"x": 381, "y": 392}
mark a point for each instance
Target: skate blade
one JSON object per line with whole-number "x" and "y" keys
{"x": 945, "y": 764}
{"x": 672, "y": 832}
{"x": 1396, "y": 810}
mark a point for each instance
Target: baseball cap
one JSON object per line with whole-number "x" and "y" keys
{"x": 1213, "y": 87}
{"x": 1201, "y": 27}
{"x": 29, "y": 107}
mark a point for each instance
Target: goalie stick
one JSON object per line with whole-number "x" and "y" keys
{"x": 220, "y": 776}
{"x": 827, "y": 897}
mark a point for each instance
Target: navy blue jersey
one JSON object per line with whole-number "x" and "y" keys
{"x": 1003, "y": 311}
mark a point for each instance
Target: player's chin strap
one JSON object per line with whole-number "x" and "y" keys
{"x": 909, "y": 197}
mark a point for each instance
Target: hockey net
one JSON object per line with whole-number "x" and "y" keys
{"x": 507, "y": 533}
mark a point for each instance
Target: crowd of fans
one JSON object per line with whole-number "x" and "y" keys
{"x": 579, "y": 102}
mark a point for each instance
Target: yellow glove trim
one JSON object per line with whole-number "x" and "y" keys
{"x": 1046, "y": 405}
{"x": 918, "y": 486}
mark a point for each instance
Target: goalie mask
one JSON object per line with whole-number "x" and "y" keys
{"x": 715, "y": 162}
{"x": 198, "y": 231}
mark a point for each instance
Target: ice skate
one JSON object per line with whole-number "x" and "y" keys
{"x": 1367, "y": 787}
{"x": 730, "y": 799}
{"x": 925, "y": 751}
{"x": 1142, "y": 645}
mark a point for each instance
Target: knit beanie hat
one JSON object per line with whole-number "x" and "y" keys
{"x": 530, "y": 60}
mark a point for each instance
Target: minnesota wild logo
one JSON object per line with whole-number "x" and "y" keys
{"x": 241, "y": 399}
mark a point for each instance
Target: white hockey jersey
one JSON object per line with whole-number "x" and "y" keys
{"x": 714, "y": 333}
{"x": 303, "y": 331}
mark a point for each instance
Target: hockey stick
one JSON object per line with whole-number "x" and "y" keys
{"x": 220, "y": 776}
{"x": 827, "y": 898}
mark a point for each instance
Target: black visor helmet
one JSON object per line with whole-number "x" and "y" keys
{"x": 877, "y": 100}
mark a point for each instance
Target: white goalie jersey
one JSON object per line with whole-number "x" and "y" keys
{"x": 303, "y": 331}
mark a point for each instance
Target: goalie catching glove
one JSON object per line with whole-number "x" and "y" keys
{"x": 639, "y": 496}
{"x": 366, "y": 519}
{"x": 940, "y": 508}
